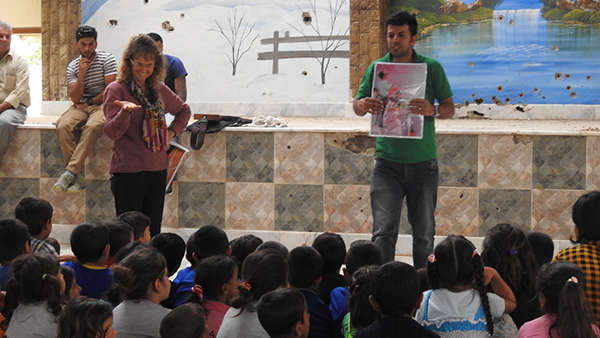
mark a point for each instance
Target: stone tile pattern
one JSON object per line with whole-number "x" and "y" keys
{"x": 313, "y": 182}
{"x": 559, "y": 162}
{"x": 457, "y": 159}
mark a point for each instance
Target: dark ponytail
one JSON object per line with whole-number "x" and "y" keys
{"x": 262, "y": 271}
{"x": 457, "y": 262}
{"x": 563, "y": 285}
{"x": 34, "y": 280}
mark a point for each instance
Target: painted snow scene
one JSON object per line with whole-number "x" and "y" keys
{"x": 263, "y": 51}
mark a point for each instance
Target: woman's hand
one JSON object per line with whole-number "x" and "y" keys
{"x": 170, "y": 134}
{"x": 127, "y": 106}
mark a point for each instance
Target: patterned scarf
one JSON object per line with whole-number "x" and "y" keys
{"x": 154, "y": 126}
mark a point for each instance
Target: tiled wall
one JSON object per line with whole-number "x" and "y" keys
{"x": 315, "y": 181}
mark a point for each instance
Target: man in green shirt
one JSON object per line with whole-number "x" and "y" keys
{"x": 405, "y": 166}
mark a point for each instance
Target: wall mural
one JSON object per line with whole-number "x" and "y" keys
{"x": 266, "y": 51}
{"x": 513, "y": 51}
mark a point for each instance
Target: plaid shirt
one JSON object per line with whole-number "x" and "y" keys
{"x": 41, "y": 247}
{"x": 587, "y": 257}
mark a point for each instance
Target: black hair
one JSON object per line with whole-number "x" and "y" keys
{"x": 172, "y": 246}
{"x": 212, "y": 273}
{"x": 457, "y": 262}
{"x": 362, "y": 313}
{"x": 396, "y": 288}
{"x": 506, "y": 249}
{"x": 69, "y": 277}
{"x": 185, "y": 321}
{"x": 273, "y": 245}
{"x": 563, "y": 285}
{"x": 586, "y": 216}
{"x": 332, "y": 248}
{"x": 306, "y": 266}
{"x": 13, "y": 238}
{"x": 209, "y": 240}
{"x": 119, "y": 235}
{"x": 403, "y": 18}
{"x": 280, "y": 310}
{"x": 138, "y": 221}
{"x": 54, "y": 243}
{"x": 33, "y": 280}
{"x": 155, "y": 37}
{"x": 263, "y": 271}
{"x": 242, "y": 246}
{"x": 136, "y": 273}
{"x": 128, "y": 249}
{"x": 361, "y": 253}
{"x": 86, "y": 32}
{"x": 83, "y": 318}
{"x": 114, "y": 294}
{"x": 88, "y": 241}
{"x": 35, "y": 212}
{"x": 542, "y": 247}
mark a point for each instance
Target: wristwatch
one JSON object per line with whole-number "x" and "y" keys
{"x": 436, "y": 109}
{"x": 90, "y": 102}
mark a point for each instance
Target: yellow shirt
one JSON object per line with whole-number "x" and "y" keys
{"x": 14, "y": 80}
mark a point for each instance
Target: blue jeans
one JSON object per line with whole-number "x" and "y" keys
{"x": 390, "y": 183}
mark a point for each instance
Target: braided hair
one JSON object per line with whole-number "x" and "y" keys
{"x": 457, "y": 263}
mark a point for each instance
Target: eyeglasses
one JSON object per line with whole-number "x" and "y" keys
{"x": 142, "y": 65}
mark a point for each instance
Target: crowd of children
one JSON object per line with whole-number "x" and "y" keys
{"x": 118, "y": 283}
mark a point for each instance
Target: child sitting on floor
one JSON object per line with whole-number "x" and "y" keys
{"x": 459, "y": 304}
{"x": 562, "y": 297}
{"x": 284, "y": 314}
{"x": 216, "y": 284}
{"x": 186, "y": 321}
{"x": 396, "y": 293}
{"x": 89, "y": 243}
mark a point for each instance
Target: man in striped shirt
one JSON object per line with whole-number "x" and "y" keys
{"x": 87, "y": 75}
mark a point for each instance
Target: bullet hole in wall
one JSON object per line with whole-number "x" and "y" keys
{"x": 567, "y": 76}
{"x": 306, "y": 18}
{"x": 471, "y": 64}
{"x": 589, "y": 78}
{"x": 145, "y": 2}
{"x": 535, "y": 90}
{"x": 521, "y": 109}
{"x": 500, "y": 88}
{"x": 511, "y": 22}
{"x": 521, "y": 94}
{"x": 507, "y": 100}
{"x": 182, "y": 15}
{"x": 568, "y": 88}
{"x": 500, "y": 18}
{"x": 166, "y": 25}
{"x": 112, "y": 22}
{"x": 557, "y": 76}
{"x": 573, "y": 95}
{"x": 304, "y": 73}
{"x": 478, "y": 101}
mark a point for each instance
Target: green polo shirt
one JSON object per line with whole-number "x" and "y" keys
{"x": 407, "y": 150}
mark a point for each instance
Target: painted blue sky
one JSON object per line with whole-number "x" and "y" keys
{"x": 514, "y": 4}
{"x": 89, "y": 8}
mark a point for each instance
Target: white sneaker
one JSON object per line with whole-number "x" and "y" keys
{"x": 64, "y": 181}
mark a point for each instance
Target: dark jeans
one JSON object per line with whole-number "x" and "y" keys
{"x": 144, "y": 192}
{"x": 390, "y": 183}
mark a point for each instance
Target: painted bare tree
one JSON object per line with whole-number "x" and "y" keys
{"x": 329, "y": 37}
{"x": 239, "y": 35}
